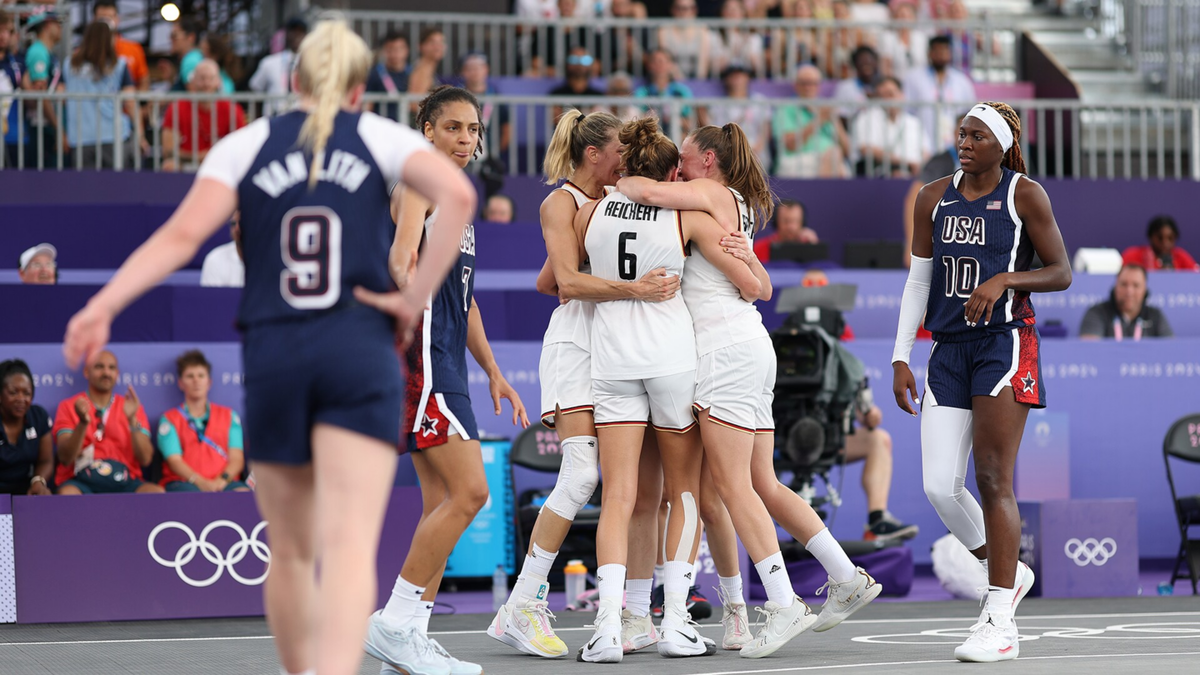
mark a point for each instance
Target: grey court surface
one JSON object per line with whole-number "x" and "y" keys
{"x": 1148, "y": 636}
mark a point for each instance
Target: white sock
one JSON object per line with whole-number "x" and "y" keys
{"x": 1000, "y": 602}
{"x": 401, "y": 609}
{"x": 831, "y": 556}
{"x": 610, "y": 581}
{"x": 677, "y": 577}
{"x": 696, "y": 570}
{"x": 776, "y": 581}
{"x": 531, "y": 583}
{"x": 733, "y": 589}
{"x": 421, "y": 620}
{"x": 637, "y": 596}
{"x": 659, "y": 575}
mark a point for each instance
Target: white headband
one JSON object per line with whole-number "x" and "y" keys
{"x": 988, "y": 115}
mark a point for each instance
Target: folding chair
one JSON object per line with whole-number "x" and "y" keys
{"x": 1183, "y": 443}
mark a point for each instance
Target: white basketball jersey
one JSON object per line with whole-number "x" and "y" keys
{"x": 572, "y": 322}
{"x": 720, "y": 316}
{"x": 632, "y": 339}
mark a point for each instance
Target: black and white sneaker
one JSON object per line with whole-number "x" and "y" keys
{"x": 889, "y": 528}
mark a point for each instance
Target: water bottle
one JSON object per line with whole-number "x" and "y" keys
{"x": 499, "y": 588}
{"x": 1165, "y": 588}
{"x": 576, "y": 575}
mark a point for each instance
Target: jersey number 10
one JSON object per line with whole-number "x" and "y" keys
{"x": 962, "y": 275}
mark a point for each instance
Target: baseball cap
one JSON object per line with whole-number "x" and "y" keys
{"x": 35, "y": 250}
{"x": 39, "y": 19}
{"x": 296, "y": 23}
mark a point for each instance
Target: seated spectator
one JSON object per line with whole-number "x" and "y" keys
{"x": 889, "y": 141}
{"x": 185, "y": 46}
{"x": 1125, "y": 315}
{"x": 38, "y": 265}
{"x": 750, "y": 111}
{"x": 475, "y": 72}
{"x": 578, "y": 84}
{"x": 26, "y": 451}
{"x": 102, "y": 438}
{"x": 1161, "y": 253}
{"x": 944, "y": 84}
{"x": 390, "y": 76}
{"x": 628, "y": 45}
{"x": 807, "y": 46}
{"x": 217, "y": 48}
{"x": 844, "y": 40}
{"x": 790, "y": 226}
{"x": 95, "y": 68}
{"x": 904, "y": 47}
{"x": 499, "y": 209}
{"x": 690, "y": 44}
{"x": 132, "y": 52}
{"x": 738, "y": 45}
{"x": 861, "y": 86}
{"x": 200, "y": 441}
{"x": 661, "y": 83}
{"x": 431, "y": 49}
{"x": 620, "y": 84}
{"x": 223, "y": 265}
{"x": 164, "y": 74}
{"x": 811, "y": 141}
{"x": 274, "y": 72}
{"x": 184, "y": 147}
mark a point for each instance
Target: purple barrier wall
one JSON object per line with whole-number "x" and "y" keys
{"x": 1120, "y": 399}
{"x": 160, "y": 556}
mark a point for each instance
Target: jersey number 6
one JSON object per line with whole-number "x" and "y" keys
{"x": 311, "y": 247}
{"x": 626, "y": 261}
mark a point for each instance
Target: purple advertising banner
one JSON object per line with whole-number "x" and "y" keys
{"x": 1083, "y": 548}
{"x": 172, "y": 556}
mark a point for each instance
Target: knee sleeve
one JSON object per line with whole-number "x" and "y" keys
{"x": 578, "y": 476}
{"x": 945, "y": 449}
{"x": 687, "y": 538}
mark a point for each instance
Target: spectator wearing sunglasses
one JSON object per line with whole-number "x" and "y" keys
{"x": 563, "y": 37}
{"x": 201, "y": 442}
{"x": 578, "y": 83}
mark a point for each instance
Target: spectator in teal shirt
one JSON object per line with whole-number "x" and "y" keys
{"x": 200, "y": 441}
{"x": 660, "y": 66}
{"x": 185, "y": 45}
{"x": 42, "y": 74}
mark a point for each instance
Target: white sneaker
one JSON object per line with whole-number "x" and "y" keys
{"x": 735, "y": 621}
{"x": 528, "y": 629}
{"x": 677, "y": 636}
{"x": 781, "y": 625}
{"x": 406, "y": 650}
{"x": 605, "y": 644}
{"x": 1024, "y": 581}
{"x": 990, "y": 642}
{"x": 637, "y": 632}
{"x": 496, "y": 629}
{"x": 456, "y": 667}
{"x": 846, "y": 598}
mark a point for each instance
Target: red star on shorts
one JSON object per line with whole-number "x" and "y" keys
{"x": 1029, "y": 382}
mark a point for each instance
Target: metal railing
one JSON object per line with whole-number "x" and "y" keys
{"x": 515, "y": 45}
{"x": 1061, "y": 138}
{"x": 1164, "y": 38}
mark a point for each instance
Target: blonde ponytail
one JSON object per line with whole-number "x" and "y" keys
{"x": 333, "y": 61}
{"x": 573, "y": 134}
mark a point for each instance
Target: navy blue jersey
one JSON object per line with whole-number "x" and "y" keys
{"x": 437, "y": 358}
{"x": 974, "y": 241}
{"x": 305, "y": 250}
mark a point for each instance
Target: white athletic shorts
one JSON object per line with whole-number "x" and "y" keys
{"x": 664, "y": 402}
{"x": 736, "y": 384}
{"x": 566, "y": 374}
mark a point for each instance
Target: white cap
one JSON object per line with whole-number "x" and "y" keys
{"x": 35, "y": 250}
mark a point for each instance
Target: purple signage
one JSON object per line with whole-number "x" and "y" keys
{"x": 133, "y": 557}
{"x": 1083, "y": 548}
{"x": 1044, "y": 468}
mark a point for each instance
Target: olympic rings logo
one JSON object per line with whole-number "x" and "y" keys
{"x": 1090, "y": 551}
{"x": 223, "y": 561}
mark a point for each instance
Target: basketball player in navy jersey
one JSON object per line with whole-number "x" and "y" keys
{"x": 323, "y": 383}
{"x": 440, "y": 425}
{"x": 975, "y": 235}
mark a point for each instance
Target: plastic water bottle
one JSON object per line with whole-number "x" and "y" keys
{"x": 1165, "y": 588}
{"x": 576, "y": 576}
{"x": 499, "y": 588}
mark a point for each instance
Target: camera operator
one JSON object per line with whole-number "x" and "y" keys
{"x": 871, "y": 444}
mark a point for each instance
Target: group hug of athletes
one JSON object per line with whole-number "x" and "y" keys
{"x": 354, "y": 232}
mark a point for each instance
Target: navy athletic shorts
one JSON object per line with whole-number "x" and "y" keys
{"x": 985, "y": 367}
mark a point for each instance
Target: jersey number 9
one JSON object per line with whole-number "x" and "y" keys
{"x": 626, "y": 261}
{"x": 311, "y": 246}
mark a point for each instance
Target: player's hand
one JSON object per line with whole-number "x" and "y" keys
{"x": 904, "y": 386}
{"x": 38, "y": 488}
{"x": 397, "y": 304}
{"x": 132, "y": 403}
{"x": 87, "y": 333}
{"x": 500, "y": 388}
{"x": 979, "y": 306}
{"x": 657, "y": 286}
{"x": 83, "y": 410}
{"x": 737, "y": 245}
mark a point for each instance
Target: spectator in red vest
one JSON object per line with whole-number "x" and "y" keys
{"x": 1161, "y": 253}
{"x": 791, "y": 218}
{"x": 200, "y": 441}
{"x": 102, "y": 438}
{"x": 194, "y": 142}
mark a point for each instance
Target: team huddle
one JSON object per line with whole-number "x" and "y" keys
{"x": 656, "y": 369}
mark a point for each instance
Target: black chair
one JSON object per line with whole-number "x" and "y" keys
{"x": 537, "y": 449}
{"x": 1183, "y": 443}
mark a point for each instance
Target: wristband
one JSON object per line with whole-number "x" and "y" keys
{"x": 192, "y": 480}
{"x": 37, "y": 478}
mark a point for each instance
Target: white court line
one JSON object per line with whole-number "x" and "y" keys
{"x": 481, "y": 631}
{"x": 797, "y": 669}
